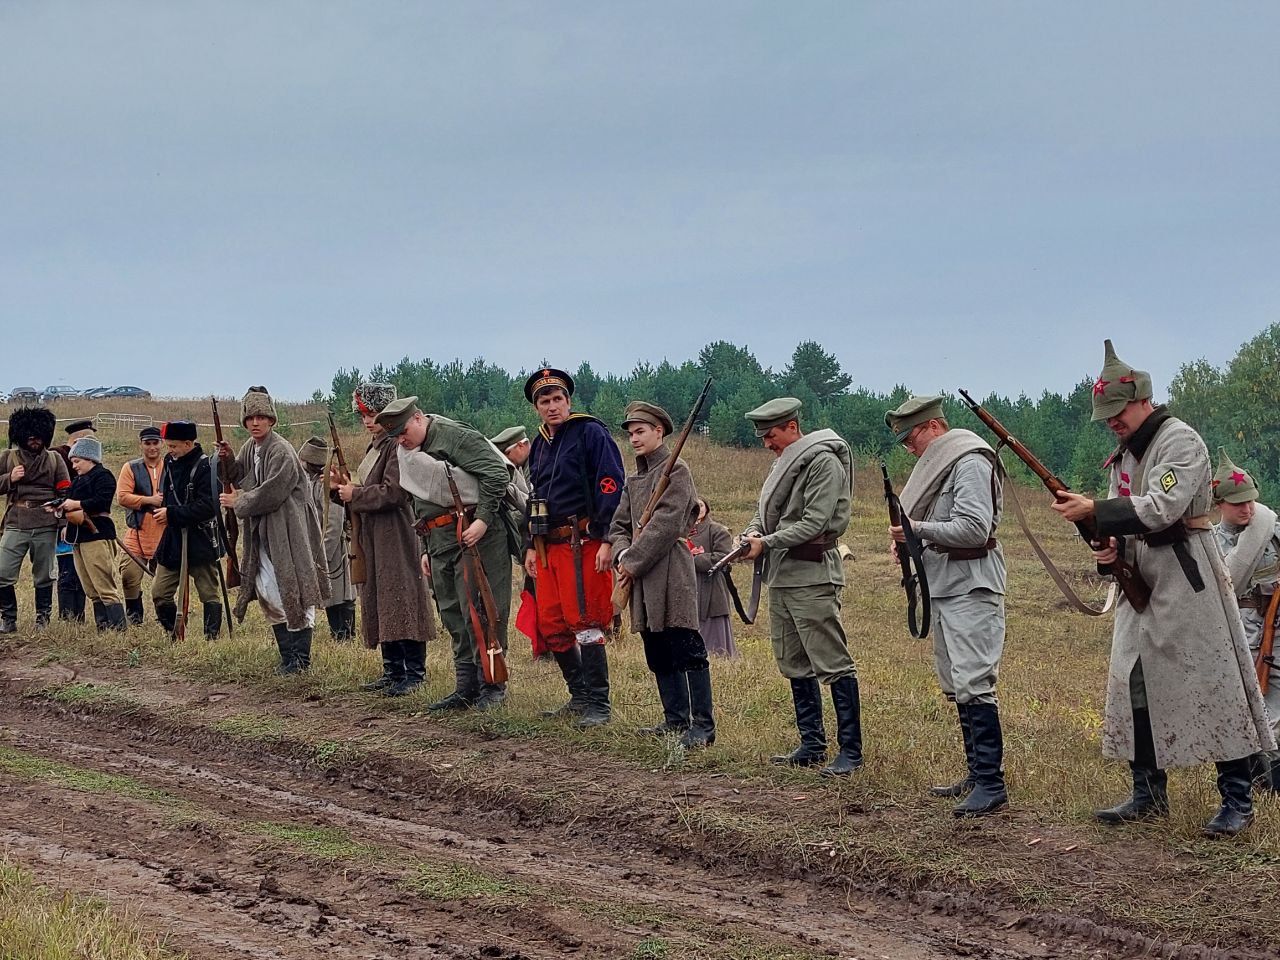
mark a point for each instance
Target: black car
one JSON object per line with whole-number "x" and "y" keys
{"x": 131, "y": 393}
{"x": 22, "y": 396}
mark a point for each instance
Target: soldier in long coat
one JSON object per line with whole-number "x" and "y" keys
{"x": 282, "y": 555}
{"x": 803, "y": 510}
{"x": 340, "y": 605}
{"x": 655, "y": 559}
{"x": 395, "y": 611}
{"x": 1181, "y": 688}
{"x": 710, "y": 541}
{"x": 1249, "y": 537}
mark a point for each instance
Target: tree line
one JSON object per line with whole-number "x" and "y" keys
{"x": 1233, "y": 406}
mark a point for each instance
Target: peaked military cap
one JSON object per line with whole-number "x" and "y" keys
{"x": 150, "y": 433}
{"x": 774, "y": 414}
{"x": 509, "y": 437}
{"x": 1118, "y": 385}
{"x": 912, "y": 412}
{"x": 640, "y": 412}
{"x": 397, "y": 414}
{"x": 315, "y": 451}
{"x": 547, "y": 377}
{"x": 178, "y": 430}
{"x": 76, "y": 426}
{"x": 1230, "y": 483}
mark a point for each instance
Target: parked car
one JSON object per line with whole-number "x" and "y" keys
{"x": 94, "y": 393}
{"x": 4, "y": 397}
{"x": 21, "y": 396}
{"x": 58, "y": 391}
{"x": 131, "y": 393}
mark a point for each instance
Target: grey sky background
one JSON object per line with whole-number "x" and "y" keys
{"x": 199, "y": 196}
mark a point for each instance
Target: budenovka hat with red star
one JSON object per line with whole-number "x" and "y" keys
{"x": 1117, "y": 386}
{"x": 547, "y": 377}
{"x": 1230, "y": 483}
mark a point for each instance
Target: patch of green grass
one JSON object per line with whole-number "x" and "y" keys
{"x": 81, "y": 694}
{"x": 323, "y": 843}
{"x": 626, "y": 912}
{"x": 252, "y": 726}
{"x": 27, "y": 766}
{"x": 650, "y": 948}
{"x": 457, "y": 882}
{"x": 335, "y": 753}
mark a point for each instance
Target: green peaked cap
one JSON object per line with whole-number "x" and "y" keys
{"x": 775, "y": 413}
{"x": 1118, "y": 385}
{"x": 912, "y": 412}
{"x": 1230, "y": 483}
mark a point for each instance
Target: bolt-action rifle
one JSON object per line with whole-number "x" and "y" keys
{"x": 482, "y": 609}
{"x": 1266, "y": 657}
{"x": 230, "y": 525}
{"x": 355, "y": 552}
{"x": 911, "y": 559}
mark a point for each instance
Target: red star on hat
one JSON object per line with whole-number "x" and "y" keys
{"x": 1100, "y": 387}
{"x": 1237, "y": 477}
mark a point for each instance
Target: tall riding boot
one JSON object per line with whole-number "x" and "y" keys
{"x": 595, "y": 682}
{"x": 70, "y": 603}
{"x": 284, "y": 643}
{"x": 806, "y": 695}
{"x": 570, "y": 664}
{"x": 167, "y": 616}
{"x": 341, "y": 617}
{"x": 989, "y": 793}
{"x": 702, "y": 732}
{"x": 1236, "y": 812}
{"x": 963, "y": 786}
{"x": 673, "y": 691}
{"x": 301, "y": 640}
{"x": 349, "y": 616}
{"x": 8, "y": 609}
{"x": 99, "y": 615}
{"x": 844, "y": 696}
{"x": 414, "y": 663}
{"x": 134, "y": 611}
{"x": 115, "y": 616}
{"x": 1150, "y": 797}
{"x": 491, "y": 694}
{"x": 44, "y": 605}
{"x": 465, "y": 686}
{"x": 212, "y": 619}
{"x": 392, "y": 666}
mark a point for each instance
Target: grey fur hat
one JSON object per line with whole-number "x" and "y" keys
{"x": 370, "y": 399}
{"x": 257, "y": 403}
{"x": 87, "y": 448}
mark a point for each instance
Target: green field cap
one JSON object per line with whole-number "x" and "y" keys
{"x": 396, "y": 414}
{"x": 913, "y": 412}
{"x": 774, "y": 414}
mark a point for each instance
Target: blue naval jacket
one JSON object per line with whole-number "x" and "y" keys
{"x": 578, "y": 472}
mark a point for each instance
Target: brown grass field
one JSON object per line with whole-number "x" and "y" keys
{"x": 1042, "y": 871}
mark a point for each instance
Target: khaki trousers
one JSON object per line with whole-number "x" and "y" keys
{"x": 96, "y": 567}
{"x": 808, "y": 637}
{"x": 130, "y": 578}
{"x": 164, "y": 588}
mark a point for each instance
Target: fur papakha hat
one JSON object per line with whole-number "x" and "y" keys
{"x": 87, "y": 448}
{"x": 257, "y": 403}
{"x": 370, "y": 399}
{"x": 29, "y": 422}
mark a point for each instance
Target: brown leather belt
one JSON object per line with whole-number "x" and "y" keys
{"x": 29, "y": 504}
{"x": 1252, "y": 602}
{"x": 444, "y": 520}
{"x": 564, "y": 532}
{"x": 815, "y": 550}
{"x": 1176, "y": 532}
{"x": 963, "y": 553}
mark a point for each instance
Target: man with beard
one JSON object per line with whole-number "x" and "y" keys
{"x": 138, "y": 491}
{"x": 188, "y": 505}
{"x": 30, "y": 475}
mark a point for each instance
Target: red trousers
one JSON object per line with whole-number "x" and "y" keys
{"x": 557, "y": 593}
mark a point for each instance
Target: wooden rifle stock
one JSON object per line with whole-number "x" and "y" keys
{"x": 484, "y": 616}
{"x": 1136, "y": 590}
{"x": 355, "y": 552}
{"x": 1266, "y": 652}
{"x": 230, "y": 525}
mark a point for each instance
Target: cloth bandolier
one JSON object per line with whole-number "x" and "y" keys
{"x": 664, "y": 595}
{"x": 1251, "y": 551}
{"x": 802, "y": 513}
{"x": 30, "y": 475}
{"x": 282, "y": 554}
{"x": 1181, "y": 688}
{"x": 190, "y": 503}
{"x": 395, "y": 611}
{"x": 954, "y": 500}
{"x": 340, "y": 605}
{"x": 710, "y": 541}
{"x": 95, "y": 550}
{"x": 481, "y": 474}
{"x": 71, "y": 596}
{"x": 138, "y": 480}
{"x": 575, "y": 470}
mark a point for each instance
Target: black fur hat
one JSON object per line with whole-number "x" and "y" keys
{"x": 31, "y": 422}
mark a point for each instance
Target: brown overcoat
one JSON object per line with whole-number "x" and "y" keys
{"x": 664, "y": 588}
{"x": 715, "y": 541}
{"x": 393, "y": 599}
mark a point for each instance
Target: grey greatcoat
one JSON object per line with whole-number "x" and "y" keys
{"x": 1201, "y": 689}
{"x": 333, "y": 527}
{"x": 393, "y": 598}
{"x": 664, "y": 590}
{"x": 715, "y": 542}
{"x": 279, "y": 518}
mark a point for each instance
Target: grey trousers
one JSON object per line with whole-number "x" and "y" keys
{"x": 15, "y": 544}
{"x": 968, "y": 639}
{"x": 808, "y": 637}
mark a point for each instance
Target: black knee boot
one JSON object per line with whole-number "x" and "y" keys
{"x": 570, "y": 664}
{"x": 1150, "y": 797}
{"x": 70, "y": 602}
{"x": 490, "y": 694}
{"x": 284, "y": 643}
{"x": 392, "y": 666}
{"x": 212, "y": 619}
{"x": 1236, "y": 787}
{"x": 341, "y": 617}
{"x": 989, "y": 793}
{"x": 963, "y": 786}
{"x": 167, "y": 616}
{"x": 44, "y": 605}
{"x": 301, "y": 642}
{"x": 702, "y": 730}
{"x": 133, "y": 610}
{"x": 8, "y": 609}
{"x": 844, "y": 697}
{"x": 414, "y": 653}
{"x": 99, "y": 615}
{"x": 806, "y": 695}
{"x": 465, "y": 688}
{"x": 673, "y": 691}
{"x": 595, "y": 683}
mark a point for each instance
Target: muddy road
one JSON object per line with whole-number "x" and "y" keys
{"x": 380, "y": 836}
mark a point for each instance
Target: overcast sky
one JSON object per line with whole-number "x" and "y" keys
{"x": 199, "y": 196}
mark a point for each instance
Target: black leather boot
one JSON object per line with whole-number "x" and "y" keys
{"x": 702, "y": 731}
{"x": 301, "y": 641}
{"x": 44, "y": 605}
{"x": 595, "y": 683}
{"x": 284, "y": 643}
{"x": 212, "y": 619}
{"x": 989, "y": 793}
{"x": 134, "y": 611}
{"x": 465, "y": 686}
{"x": 806, "y": 695}
{"x": 1236, "y": 787}
{"x": 414, "y": 653}
{"x": 70, "y": 603}
{"x": 115, "y": 616}
{"x": 99, "y": 615}
{"x": 342, "y": 620}
{"x": 673, "y": 691}
{"x": 167, "y": 616}
{"x": 570, "y": 664}
{"x": 964, "y": 786}
{"x": 1150, "y": 797}
{"x": 844, "y": 696}
{"x": 8, "y": 609}
{"x": 490, "y": 695}
{"x": 392, "y": 666}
